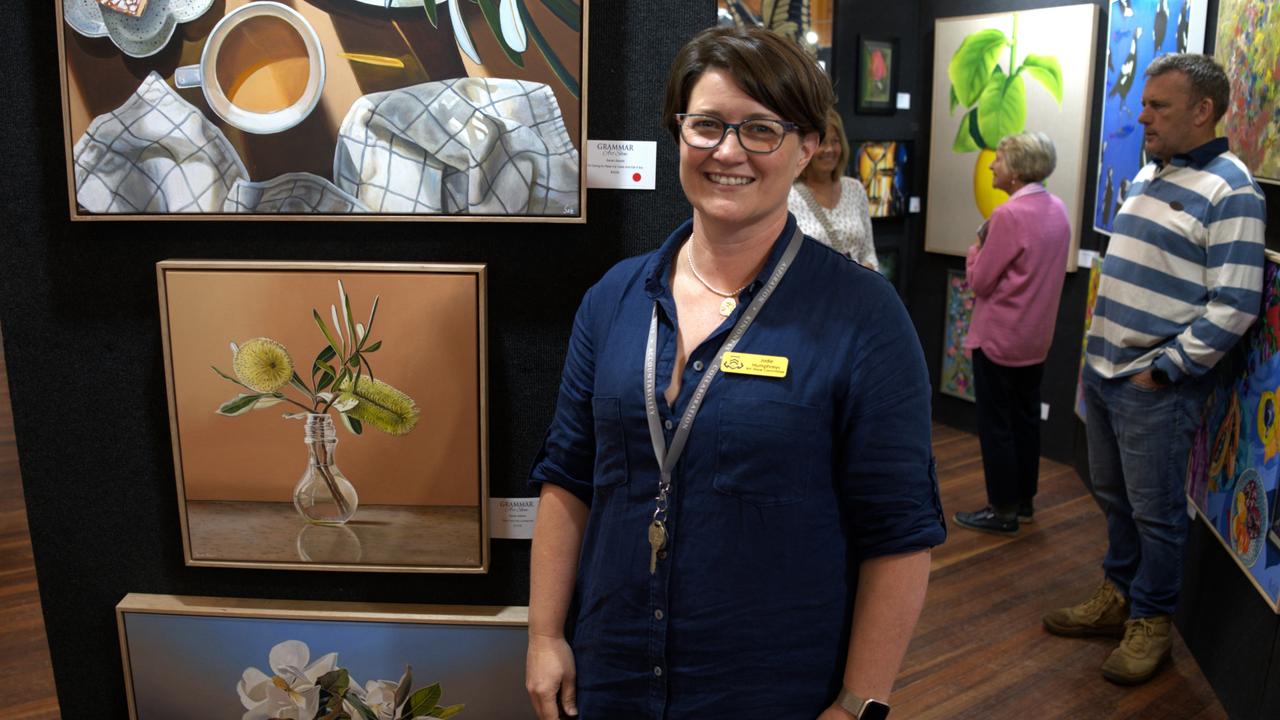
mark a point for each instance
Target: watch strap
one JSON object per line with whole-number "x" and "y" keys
{"x": 854, "y": 704}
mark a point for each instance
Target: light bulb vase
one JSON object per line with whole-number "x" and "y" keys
{"x": 323, "y": 496}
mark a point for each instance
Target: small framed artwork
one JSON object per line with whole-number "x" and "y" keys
{"x": 328, "y": 416}
{"x": 205, "y": 658}
{"x": 877, "y": 75}
{"x": 887, "y": 259}
{"x": 347, "y": 110}
{"x": 957, "y": 367}
{"x": 881, "y": 166}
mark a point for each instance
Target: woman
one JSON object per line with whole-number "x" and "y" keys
{"x": 830, "y": 207}
{"x": 721, "y": 581}
{"x": 1015, "y": 269}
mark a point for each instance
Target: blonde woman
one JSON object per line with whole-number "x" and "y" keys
{"x": 830, "y": 207}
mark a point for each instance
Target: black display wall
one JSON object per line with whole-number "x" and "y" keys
{"x": 79, "y": 313}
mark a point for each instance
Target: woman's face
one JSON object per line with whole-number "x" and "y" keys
{"x": 825, "y": 159}
{"x": 1002, "y": 177}
{"x": 728, "y": 185}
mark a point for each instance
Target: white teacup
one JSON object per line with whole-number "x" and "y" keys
{"x": 262, "y": 68}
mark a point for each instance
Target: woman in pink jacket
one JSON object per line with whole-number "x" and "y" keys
{"x": 1016, "y": 271}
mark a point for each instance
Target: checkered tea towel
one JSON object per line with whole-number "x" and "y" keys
{"x": 470, "y": 145}
{"x": 156, "y": 153}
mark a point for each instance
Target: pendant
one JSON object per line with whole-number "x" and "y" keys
{"x": 726, "y": 307}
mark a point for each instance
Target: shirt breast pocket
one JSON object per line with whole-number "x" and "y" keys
{"x": 611, "y": 450}
{"x": 766, "y": 450}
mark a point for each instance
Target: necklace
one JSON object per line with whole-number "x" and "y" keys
{"x": 730, "y": 299}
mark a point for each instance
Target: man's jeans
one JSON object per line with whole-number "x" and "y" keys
{"x": 1138, "y": 445}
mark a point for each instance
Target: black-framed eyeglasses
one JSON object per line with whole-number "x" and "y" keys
{"x": 755, "y": 136}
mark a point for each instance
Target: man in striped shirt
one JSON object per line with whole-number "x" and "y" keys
{"x": 1181, "y": 283}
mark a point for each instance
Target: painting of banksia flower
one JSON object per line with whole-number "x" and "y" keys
{"x": 265, "y": 360}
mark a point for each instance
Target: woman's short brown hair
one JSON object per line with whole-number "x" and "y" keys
{"x": 770, "y": 68}
{"x": 834, "y": 122}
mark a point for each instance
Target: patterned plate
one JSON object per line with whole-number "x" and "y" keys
{"x": 135, "y": 36}
{"x": 1248, "y": 517}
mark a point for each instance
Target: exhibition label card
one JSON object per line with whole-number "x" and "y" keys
{"x": 512, "y": 518}
{"x": 622, "y": 164}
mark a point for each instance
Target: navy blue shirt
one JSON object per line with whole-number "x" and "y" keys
{"x": 785, "y": 486}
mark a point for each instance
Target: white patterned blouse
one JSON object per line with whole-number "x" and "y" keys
{"x": 849, "y": 220}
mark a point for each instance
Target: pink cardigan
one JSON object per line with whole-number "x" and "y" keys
{"x": 1016, "y": 276}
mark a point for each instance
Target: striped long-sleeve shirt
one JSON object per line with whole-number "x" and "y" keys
{"x": 1182, "y": 278}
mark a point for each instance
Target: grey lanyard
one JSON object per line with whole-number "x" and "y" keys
{"x": 667, "y": 458}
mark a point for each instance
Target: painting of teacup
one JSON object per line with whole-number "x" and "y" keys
{"x": 261, "y": 70}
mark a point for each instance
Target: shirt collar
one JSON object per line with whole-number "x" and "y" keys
{"x": 1198, "y": 157}
{"x": 1027, "y": 189}
{"x": 658, "y": 269}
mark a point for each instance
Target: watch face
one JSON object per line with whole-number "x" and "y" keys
{"x": 874, "y": 710}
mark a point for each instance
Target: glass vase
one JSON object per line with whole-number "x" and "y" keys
{"x": 323, "y": 496}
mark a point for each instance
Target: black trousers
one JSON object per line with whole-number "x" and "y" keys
{"x": 1008, "y": 429}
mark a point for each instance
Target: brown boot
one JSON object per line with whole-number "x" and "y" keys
{"x": 1146, "y": 645}
{"x": 1103, "y": 614}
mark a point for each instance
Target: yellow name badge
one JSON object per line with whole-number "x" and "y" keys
{"x": 747, "y": 364}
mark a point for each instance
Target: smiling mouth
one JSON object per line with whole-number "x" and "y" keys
{"x": 728, "y": 179}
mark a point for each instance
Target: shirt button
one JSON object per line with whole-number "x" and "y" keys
{"x": 697, "y": 365}
{"x": 667, "y": 424}
{"x": 657, "y": 671}
{"x": 657, "y": 614}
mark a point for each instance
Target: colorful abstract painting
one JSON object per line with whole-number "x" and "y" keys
{"x": 1138, "y": 31}
{"x": 1234, "y": 466}
{"x": 881, "y": 166}
{"x": 1001, "y": 74}
{"x": 957, "y": 366}
{"x": 1248, "y": 46}
{"x": 1095, "y": 274}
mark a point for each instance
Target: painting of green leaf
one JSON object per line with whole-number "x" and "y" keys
{"x": 998, "y": 75}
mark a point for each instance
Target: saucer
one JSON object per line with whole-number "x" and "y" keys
{"x": 135, "y": 36}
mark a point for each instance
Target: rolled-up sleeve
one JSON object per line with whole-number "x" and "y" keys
{"x": 567, "y": 457}
{"x": 887, "y": 476}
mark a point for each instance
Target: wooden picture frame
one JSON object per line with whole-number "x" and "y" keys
{"x": 208, "y": 658}
{"x": 417, "y": 469}
{"x": 360, "y": 110}
{"x": 877, "y": 88}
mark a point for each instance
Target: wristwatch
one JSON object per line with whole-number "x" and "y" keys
{"x": 868, "y": 709}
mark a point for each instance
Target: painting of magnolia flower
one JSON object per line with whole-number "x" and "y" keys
{"x": 391, "y": 359}
{"x": 223, "y": 659}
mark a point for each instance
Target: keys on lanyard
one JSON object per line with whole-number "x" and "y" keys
{"x": 657, "y": 541}
{"x": 667, "y": 457}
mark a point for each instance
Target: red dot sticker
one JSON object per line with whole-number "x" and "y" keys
{"x": 635, "y": 177}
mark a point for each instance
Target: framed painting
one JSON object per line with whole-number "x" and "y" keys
{"x": 1138, "y": 31}
{"x": 957, "y": 367}
{"x": 1233, "y": 469}
{"x": 877, "y": 76}
{"x": 997, "y": 75}
{"x": 1248, "y": 46}
{"x": 809, "y": 22}
{"x": 328, "y": 416}
{"x": 881, "y": 165}
{"x": 334, "y": 110}
{"x": 205, "y": 658}
{"x": 887, "y": 258}
{"x": 1095, "y": 276}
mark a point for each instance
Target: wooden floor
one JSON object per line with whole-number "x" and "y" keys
{"x": 24, "y": 653}
{"x": 979, "y": 650}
